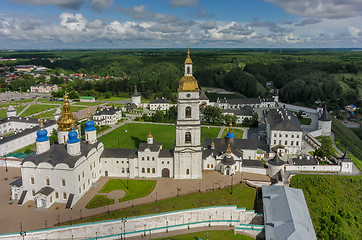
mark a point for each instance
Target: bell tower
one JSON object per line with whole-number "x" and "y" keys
{"x": 188, "y": 152}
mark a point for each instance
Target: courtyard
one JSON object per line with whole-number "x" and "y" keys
{"x": 30, "y": 218}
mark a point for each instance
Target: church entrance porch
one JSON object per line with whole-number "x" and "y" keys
{"x": 165, "y": 172}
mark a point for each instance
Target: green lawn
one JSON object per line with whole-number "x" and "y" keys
{"x": 136, "y": 188}
{"x": 113, "y": 98}
{"x": 99, "y": 201}
{"x": 243, "y": 196}
{"x": 211, "y": 235}
{"x": 33, "y": 109}
{"x": 18, "y": 109}
{"x": 346, "y": 138}
{"x": 32, "y": 148}
{"x": 49, "y": 115}
{"x": 305, "y": 121}
{"x": 87, "y": 103}
{"x": 7, "y": 103}
{"x": 137, "y": 133}
{"x": 3, "y": 113}
{"x": 334, "y": 204}
{"x": 76, "y": 108}
{"x": 237, "y": 132}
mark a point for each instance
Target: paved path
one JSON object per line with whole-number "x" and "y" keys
{"x": 221, "y": 132}
{"x": 129, "y": 120}
{"x": 19, "y": 114}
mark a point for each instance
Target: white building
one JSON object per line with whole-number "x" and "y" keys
{"x": 87, "y": 99}
{"x": 284, "y": 131}
{"x": 159, "y": 104}
{"x": 11, "y": 111}
{"x": 241, "y": 114}
{"x": 44, "y": 88}
{"x": 238, "y": 103}
{"x": 136, "y": 97}
{"x": 107, "y": 116}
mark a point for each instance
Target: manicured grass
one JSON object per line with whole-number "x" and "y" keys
{"x": 31, "y": 148}
{"x": 33, "y": 109}
{"x": 45, "y": 100}
{"x": 346, "y": 138}
{"x": 113, "y": 98}
{"x": 136, "y": 188}
{"x": 87, "y": 103}
{"x": 49, "y": 115}
{"x": 305, "y": 121}
{"x": 99, "y": 201}
{"x": 18, "y": 109}
{"x": 102, "y": 128}
{"x": 137, "y": 133}
{"x": 3, "y": 113}
{"x": 211, "y": 235}
{"x": 7, "y": 103}
{"x": 209, "y": 132}
{"x": 76, "y": 108}
{"x": 334, "y": 204}
{"x": 237, "y": 132}
{"x": 243, "y": 196}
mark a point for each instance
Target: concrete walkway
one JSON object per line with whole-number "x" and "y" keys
{"x": 221, "y": 132}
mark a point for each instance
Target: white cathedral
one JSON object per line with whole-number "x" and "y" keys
{"x": 64, "y": 172}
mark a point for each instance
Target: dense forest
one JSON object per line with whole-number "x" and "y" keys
{"x": 302, "y": 76}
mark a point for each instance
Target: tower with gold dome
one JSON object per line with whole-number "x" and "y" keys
{"x": 65, "y": 121}
{"x": 188, "y": 152}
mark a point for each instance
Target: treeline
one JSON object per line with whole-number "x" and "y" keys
{"x": 302, "y": 76}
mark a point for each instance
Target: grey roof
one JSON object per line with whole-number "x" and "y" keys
{"x": 46, "y": 191}
{"x": 276, "y": 161}
{"x": 305, "y": 160}
{"x": 119, "y": 153}
{"x": 286, "y": 214}
{"x": 11, "y": 109}
{"x": 203, "y": 96}
{"x": 283, "y": 120}
{"x": 155, "y": 147}
{"x": 107, "y": 111}
{"x": 166, "y": 153}
{"x": 130, "y": 106}
{"x": 159, "y": 101}
{"x": 253, "y": 163}
{"x": 228, "y": 160}
{"x": 325, "y": 116}
{"x": 18, "y": 182}
{"x": 221, "y": 144}
{"x": 240, "y": 100}
{"x": 47, "y": 123}
{"x": 58, "y": 154}
{"x": 135, "y": 93}
{"x": 345, "y": 157}
{"x": 244, "y": 111}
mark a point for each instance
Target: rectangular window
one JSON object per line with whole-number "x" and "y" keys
{"x": 275, "y": 141}
{"x": 47, "y": 181}
{"x": 286, "y": 143}
{"x": 297, "y": 143}
{"x": 291, "y": 143}
{"x": 32, "y": 180}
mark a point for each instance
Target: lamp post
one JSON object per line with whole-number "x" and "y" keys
{"x": 118, "y": 137}
{"x": 156, "y": 197}
{"x": 124, "y": 220}
{"x": 23, "y": 234}
{"x": 80, "y": 211}
{"x": 199, "y": 186}
{"x": 167, "y": 226}
{"x": 6, "y": 164}
{"x": 232, "y": 178}
{"x": 178, "y": 189}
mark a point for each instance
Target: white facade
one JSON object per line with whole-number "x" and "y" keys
{"x": 291, "y": 140}
{"x": 159, "y": 104}
{"x": 107, "y": 116}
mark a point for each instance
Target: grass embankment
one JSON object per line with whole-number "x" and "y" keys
{"x": 136, "y": 188}
{"x": 243, "y": 196}
{"x": 346, "y": 138}
{"x": 237, "y": 132}
{"x": 137, "y": 133}
{"x": 211, "y": 235}
{"x": 305, "y": 121}
{"x": 334, "y": 204}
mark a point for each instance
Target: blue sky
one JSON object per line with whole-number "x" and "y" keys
{"x": 49, "y": 24}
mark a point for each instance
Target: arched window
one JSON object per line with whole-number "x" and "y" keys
{"x": 143, "y": 158}
{"x": 148, "y": 170}
{"x": 212, "y": 165}
{"x": 187, "y": 137}
{"x": 188, "y": 112}
{"x": 188, "y": 69}
{"x": 187, "y": 171}
{"x": 153, "y": 158}
{"x": 148, "y": 158}
{"x": 32, "y": 180}
{"x": 143, "y": 170}
{"x": 153, "y": 170}
{"x": 63, "y": 182}
{"x": 64, "y": 195}
{"x": 47, "y": 181}
{"x": 208, "y": 165}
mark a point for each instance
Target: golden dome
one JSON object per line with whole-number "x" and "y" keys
{"x": 149, "y": 135}
{"x": 230, "y": 127}
{"x": 66, "y": 119}
{"x": 188, "y": 58}
{"x": 188, "y": 83}
{"x": 228, "y": 151}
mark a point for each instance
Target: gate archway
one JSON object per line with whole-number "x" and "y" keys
{"x": 165, "y": 172}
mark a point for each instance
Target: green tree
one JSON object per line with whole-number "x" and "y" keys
{"x": 53, "y": 136}
{"x": 213, "y": 115}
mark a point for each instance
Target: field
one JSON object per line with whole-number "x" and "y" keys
{"x": 33, "y": 109}
{"x": 136, "y": 188}
{"x": 211, "y": 235}
{"x": 237, "y": 132}
{"x": 99, "y": 201}
{"x": 49, "y": 115}
{"x": 346, "y": 138}
{"x": 334, "y": 203}
{"x": 243, "y": 196}
{"x": 132, "y": 134}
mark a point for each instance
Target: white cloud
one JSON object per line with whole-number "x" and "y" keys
{"x": 354, "y": 32}
{"x": 100, "y": 5}
{"x": 321, "y": 8}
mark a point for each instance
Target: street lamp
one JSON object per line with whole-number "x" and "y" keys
{"x": 156, "y": 197}
{"x": 232, "y": 178}
{"x": 178, "y": 189}
{"x": 199, "y": 186}
{"x": 167, "y": 226}
{"x": 23, "y": 234}
{"x": 6, "y": 164}
{"x": 124, "y": 220}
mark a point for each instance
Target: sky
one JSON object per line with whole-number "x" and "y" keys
{"x": 73, "y": 24}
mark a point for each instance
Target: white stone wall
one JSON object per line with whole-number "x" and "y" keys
{"x": 146, "y": 225}
{"x": 21, "y": 142}
{"x": 313, "y": 168}
{"x": 253, "y": 170}
{"x": 292, "y": 140}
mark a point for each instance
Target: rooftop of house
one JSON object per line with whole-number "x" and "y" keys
{"x": 283, "y": 120}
